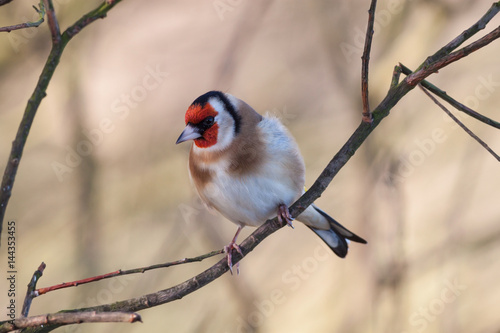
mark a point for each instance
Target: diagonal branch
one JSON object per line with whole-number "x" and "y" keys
{"x": 465, "y": 35}
{"x": 365, "y": 61}
{"x": 433, "y": 67}
{"x": 120, "y": 272}
{"x": 39, "y": 93}
{"x": 455, "y": 119}
{"x": 35, "y": 24}
{"x": 459, "y": 106}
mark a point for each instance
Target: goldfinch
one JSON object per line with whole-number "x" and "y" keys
{"x": 249, "y": 168}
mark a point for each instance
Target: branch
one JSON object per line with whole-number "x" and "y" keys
{"x": 421, "y": 74}
{"x": 365, "y": 60}
{"x": 460, "y": 39}
{"x": 443, "y": 57}
{"x": 30, "y": 293}
{"x": 53, "y": 24}
{"x": 455, "y": 119}
{"x": 40, "y": 11}
{"x": 459, "y": 106}
{"x": 58, "y": 45}
{"x": 42, "y": 291}
{"x": 59, "y": 319}
{"x": 4, "y": 2}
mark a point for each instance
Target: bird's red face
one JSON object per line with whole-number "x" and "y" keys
{"x": 200, "y": 119}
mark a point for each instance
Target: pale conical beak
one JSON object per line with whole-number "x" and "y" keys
{"x": 189, "y": 133}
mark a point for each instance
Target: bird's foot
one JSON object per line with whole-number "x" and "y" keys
{"x": 228, "y": 250}
{"x": 284, "y": 214}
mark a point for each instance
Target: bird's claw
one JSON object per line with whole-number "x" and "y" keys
{"x": 228, "y": 250}
{"x": 284, "y": 214}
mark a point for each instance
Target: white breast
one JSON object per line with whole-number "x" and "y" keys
{"x": 253, "y": 198}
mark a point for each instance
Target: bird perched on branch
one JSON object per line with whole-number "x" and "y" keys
{"x": 249, "y": 168}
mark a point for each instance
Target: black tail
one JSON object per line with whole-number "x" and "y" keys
{"x": 336, "y": 237}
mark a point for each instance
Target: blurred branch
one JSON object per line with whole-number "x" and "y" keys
{"x": 42, "y": 291}
{"x": 58, "y": 319}
{"x": 30, "y": 293}
{"x": 58, "y": 44}
{"x": 365, "y": 61}
{"x": 455, "y": 119}
{"x": 40, "y": 11}
{"x": 459, "y": 106}
{"x": 444, "y": 57}
{"x": 53, "y": 24}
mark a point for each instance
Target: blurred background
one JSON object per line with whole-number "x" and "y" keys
{"x": 102, "y": 185}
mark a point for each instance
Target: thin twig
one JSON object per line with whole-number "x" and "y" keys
{"x": 365, "y": 60}
{"x": 460, "y": 39}
{"x": 459, "y": 106}
{"x": 35, "y": 24}
{"x": 427, "y": 70}
{"x": 31, "y": 289}
{"x": 38, "y": 94}
{"x": 120, "y": 272}
{"x": 455, "y": 119}
{"x": 58, "y": 319}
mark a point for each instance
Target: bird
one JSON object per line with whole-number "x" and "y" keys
{"x": 248, "y": 167}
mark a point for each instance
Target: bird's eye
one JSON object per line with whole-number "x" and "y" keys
{"x": 208, "y": 121}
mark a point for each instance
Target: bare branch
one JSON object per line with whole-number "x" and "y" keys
{"x": 98, "y": 13}
{"x": 30, "y": 293}
{"x": 444, "y": 56}
{"x": 455, "y": 119}
{"x": 4, "y": 2}
{"x": 459, "y": 106}
{"x": 59, "y": 319}
{"x": 35, "y": 24}
{"x": 460, "y": 39}
{"x": 38, "y": 94}
{"x": 365, "y": 60}
{"x": 52, "y": 21}
{"x": 45, "y": 290}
